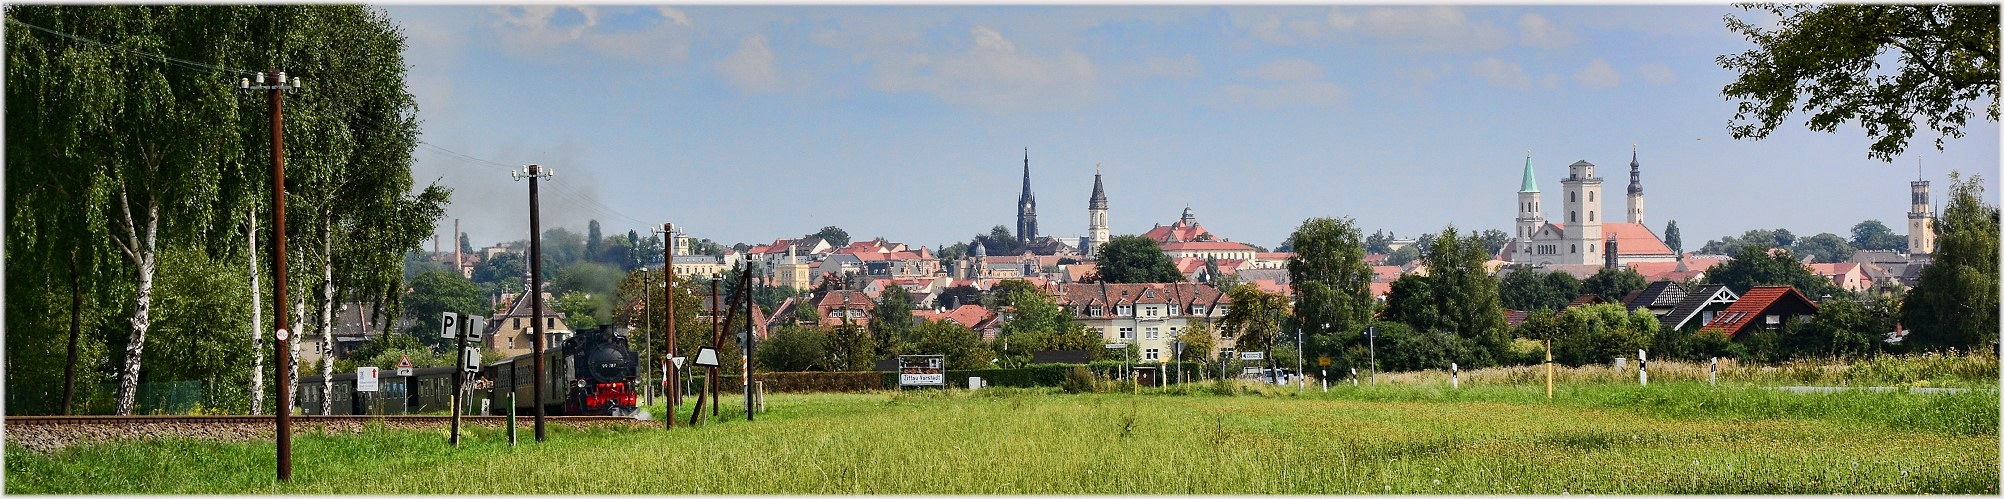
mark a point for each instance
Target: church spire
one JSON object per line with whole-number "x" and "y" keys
{"x": 1634, "y": 172}
{"x": 1530, "y": 177}
{"x": 1026, "y": 205}
{"x": 1098, "y": 201}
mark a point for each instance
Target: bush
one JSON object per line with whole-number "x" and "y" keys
{"x": 1079, "y": 380}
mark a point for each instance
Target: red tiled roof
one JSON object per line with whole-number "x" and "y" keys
{"x": 966, "y": 315}
{"x": 1381, "y": 289}
{"x": 1274, "y": 287}
{"x": 1177, "y": 232}
{"x": 1206, "y": 245}
{"x": 1515, "y": 317}
{"x": 1753, "y": 305}
{"x": 1386, "y": 273}
{"x": 1186, "y": 265}
{"x": 1376, "y": 259}
{"x": 1630, "y": 239}
{"x": 1273, "y": 255}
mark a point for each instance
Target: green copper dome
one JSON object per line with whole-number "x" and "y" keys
{"x": 1530, "y": 178}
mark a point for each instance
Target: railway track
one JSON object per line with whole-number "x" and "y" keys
{"x": 51, "y": 433}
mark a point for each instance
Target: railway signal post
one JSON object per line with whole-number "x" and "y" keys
{"x": 533, "y": 172}
{"x": 278, "y": 85}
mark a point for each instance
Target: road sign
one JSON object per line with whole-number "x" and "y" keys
{"x": 1115, "y": 346}
{"x": 448, "y": 325}
{"x": 476, "y": 327}
{"x": 921, "y": 370}
{"x": 472, "y": 357}
{"x": 1252, "y": 355}
{"x": 707, "y": 357}
{"x": 365, "y": 379}
{"x": 679, "y": 361}
{"x": 282, "y": 334}
{"x": 1322, "y": 361}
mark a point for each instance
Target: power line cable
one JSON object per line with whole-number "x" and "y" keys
{"x": 150, "y": 55}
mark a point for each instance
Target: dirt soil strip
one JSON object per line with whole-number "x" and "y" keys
{"x": 48, "y": 434}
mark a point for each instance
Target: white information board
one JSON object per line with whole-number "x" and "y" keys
{"x": 365, "y": 379}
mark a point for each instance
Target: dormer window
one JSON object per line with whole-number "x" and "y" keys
{"x": 1125, "y": 311}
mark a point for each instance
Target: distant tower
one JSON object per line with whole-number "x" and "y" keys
{"x": 1530, "y": 216}
{"x": 979, "y": 265}
{"x": 1096, "y": 231}
{"x": 1026, "y": 206}
{"x": 1583, "y": 236}
{"x": 1634, "y": 188}
{"x": 1920, "y": 221}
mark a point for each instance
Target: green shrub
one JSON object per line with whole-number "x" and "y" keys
{"x": 1079, "y": 380}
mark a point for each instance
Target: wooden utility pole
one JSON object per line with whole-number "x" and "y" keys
{"x": 276, "y": 83}
{"x": 533, "y": 173}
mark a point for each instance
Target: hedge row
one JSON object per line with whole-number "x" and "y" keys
{"x": 1034, "y": 375}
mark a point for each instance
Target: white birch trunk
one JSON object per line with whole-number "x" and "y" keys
{"x": 257, "y": 322}
{"x": 141, "y": 250}
{"x": 292, "y": 381}
{"x": 326, "y": 324}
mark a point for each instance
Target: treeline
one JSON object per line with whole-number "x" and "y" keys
{"x": 139, "y": 184}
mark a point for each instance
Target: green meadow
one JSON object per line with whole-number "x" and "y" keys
{"x": 1669, "y": 438}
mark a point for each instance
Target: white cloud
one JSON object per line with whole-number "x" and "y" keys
{"x": 751, "y": 67}
{"x": 551, "y": 33}
{"x": 1289, "y": 70}
{"x": 1501, "y": 73}
{"x": 1656, "y": 73}
{"x": 1431, "y": 28}
{"x": 1289, "y": 94}
{"x": 1536, "y": 31}
{"x": 993, "y": 74}
{"x": 1598, "y": 75}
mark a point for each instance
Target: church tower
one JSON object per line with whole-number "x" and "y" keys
{"x": 1634, "y": 188}
{"x": 1583, "y": 200}
{"x": 1530, "y": 216}
{"x": 1026, "y": 206}
{"x": 1920, "y": 221}
{"x": 1096, "y": 231}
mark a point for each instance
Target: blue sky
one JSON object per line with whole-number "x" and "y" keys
{"x": 749, "y": 123}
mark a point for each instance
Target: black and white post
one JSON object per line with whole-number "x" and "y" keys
{"x": 1642, "y": 357}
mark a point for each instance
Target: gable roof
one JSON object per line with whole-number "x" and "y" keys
{"x": 965, "y": 315}
{"x": 1630, "y": 239}
{"x": 1589, "y": 299}
{"x": 1655, "y": 295}
{"x": 1178, "y": 232}
{"x": 1698, "y": 300}
{"x": 1758, "y": 302}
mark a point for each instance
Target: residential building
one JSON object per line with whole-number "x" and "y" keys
{"x": 1188, "y": 239}
{"x": 1145, "y": 316}
{"x": 510, "y": 330}
{"x": 1763, "y": 307}
{"x": 1699, "y": 306}
{"x": 844, "y": 307}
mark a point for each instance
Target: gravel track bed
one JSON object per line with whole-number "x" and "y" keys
{"x": 46, "y": 438}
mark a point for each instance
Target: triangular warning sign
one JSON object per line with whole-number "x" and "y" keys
{"x": 405, "y": 363}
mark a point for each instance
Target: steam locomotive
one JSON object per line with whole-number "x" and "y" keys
{"x": 593, "y": 373}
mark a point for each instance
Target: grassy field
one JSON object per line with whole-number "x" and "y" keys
{"x": 1418, "y": 439}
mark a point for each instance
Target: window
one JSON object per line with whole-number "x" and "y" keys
{"x": 1589, "y": 216}
{"x": 1152, "y": 311}
{"x": 1224, "y": 309}
{"x": 511, "y": 345}
{"x": 550, "y": 322}
{"x": 518, "y": 323}
{"x": 1572, "y": 197}
{"x": 1173, "y": 331}
{"x": 1196, "y": 310}
{"x": 1094, "y": 311}
{"x": 1572, "y": 216}
{"x": 1127, "y": 333}
{"x": 1154, "y": 333}
{"x": 1706, "y": 318}
{"x": 1575, "y": 248}
{"x": 1225, "y": 333}
{"x": 1153, "y": 354}
{"x": 1589, "y": 196}
{"x": 1125, "y": 311}
{"x": 1773, "y": 319}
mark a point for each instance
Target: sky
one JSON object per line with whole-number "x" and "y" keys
{"x": 752, "y": 123}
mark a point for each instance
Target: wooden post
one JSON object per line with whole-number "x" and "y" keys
{"x": 1548, "y": 369}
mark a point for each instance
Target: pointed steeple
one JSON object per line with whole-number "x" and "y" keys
{"x": 1634, "y": 173}
{"x": 1026, "y": 205}
{"x": 1530, "y": 177}
{"x": 1027, "y": 197}
{"x": 1098, "y": 201}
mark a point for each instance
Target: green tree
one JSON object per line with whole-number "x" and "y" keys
{"x": 1753, "y": 266}
{"x": 432, "y": 295}
{"x": 1331, "y": 283}
{"x": 1255, "y": 317}
{"x": 201, "y": 301}
{"x": 1199, "y": 339}
{"x": 1526, "y": 289}
{"x": 1005, "y": 292}
{"x": 501, "y": 267}
{"x": 1457, "y": 295}
{"x": 580, "y": 309}
{"x": 1846, "y": 327}
{"x": 1673, "y": 237}
{"x": 1826, "y": 60}
{"x": 1126, "y": 259}
{"x": 1404, "y": 255}
{"x": 594, "y": 236}
{"x": 1596, "y": 334}
{"x": 1955, "y": 302}
{"x": 1874, "y": 235}
{"x": 1826, "y": 248}
{"x": 998, "y": 242}
{"x": 1379, "y": 243}
{"x": 1613, "y": 284}
{"x": 793, "y": 349}
{"x": 850, "y": 348}
{"x": 961, "y": 346}
{"x": 1493, "y": 240}
{"x": 892, "y": 321}
{"x": 834, "y": 235}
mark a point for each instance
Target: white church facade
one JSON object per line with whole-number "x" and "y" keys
{"x": 1583, "y": 234}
